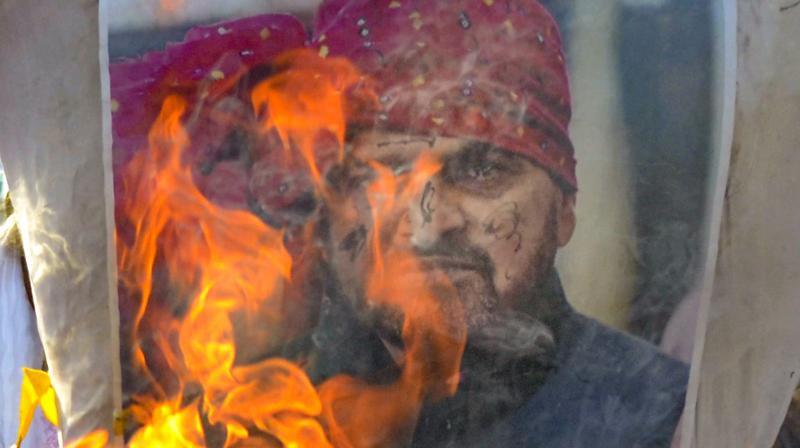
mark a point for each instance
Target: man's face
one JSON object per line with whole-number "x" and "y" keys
{"x": 488, "y": 220}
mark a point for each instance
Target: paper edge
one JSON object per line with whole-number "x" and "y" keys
{"x": 111, "y": 254}
{"x": 726, "y": 21}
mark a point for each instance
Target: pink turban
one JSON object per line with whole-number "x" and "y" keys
{"x": 490, "y": 70}
{"x": 208, "y": 68}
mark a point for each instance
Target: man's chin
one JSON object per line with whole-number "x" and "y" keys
{"x": 502, "y": 336}
{"x": 457, "y": 300}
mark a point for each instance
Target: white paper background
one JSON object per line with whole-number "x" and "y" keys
{"x": 751, "y": 362}
{"x": 21, "y": 346}
{"x": 52, "y": 152}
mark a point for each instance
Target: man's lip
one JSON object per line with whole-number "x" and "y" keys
{"x": 448, "y": 263}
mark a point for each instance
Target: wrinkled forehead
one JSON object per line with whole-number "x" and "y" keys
{"x": 391, "y": 147}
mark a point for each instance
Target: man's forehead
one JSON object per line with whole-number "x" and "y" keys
{"x": 393, "y": 147}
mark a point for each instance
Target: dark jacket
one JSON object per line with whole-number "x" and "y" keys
{"x": 602, "y": 389}
{"x": 609, "y": 390}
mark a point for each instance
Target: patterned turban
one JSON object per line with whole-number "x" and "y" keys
{"x": 490, "y": 70}
{"x": 213, "y": 68}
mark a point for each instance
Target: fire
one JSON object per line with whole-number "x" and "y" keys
{"x": 173, "y": 426}
{"x": 304, "y": 99}
{"x": 95, "y": 439}
{"x": 361, "y": 415}
{"x": 168, "y": 9}
{"x": 194, "y": 267}
{"x": 222, "y": 261}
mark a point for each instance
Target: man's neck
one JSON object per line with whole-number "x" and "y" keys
{"x": 547, "y": 303}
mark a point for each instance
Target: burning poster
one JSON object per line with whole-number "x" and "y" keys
{"x": 345, "y": 234}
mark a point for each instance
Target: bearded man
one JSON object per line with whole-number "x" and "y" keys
{"x": 477, "y": 89}
{"x": 480, "y": 87}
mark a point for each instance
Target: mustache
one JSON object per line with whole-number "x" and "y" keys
{"x": 453, "y": 251}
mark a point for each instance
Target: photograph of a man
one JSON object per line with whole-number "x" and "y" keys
{"x": 457, "y": 156}
{"x": 481, "y": 87}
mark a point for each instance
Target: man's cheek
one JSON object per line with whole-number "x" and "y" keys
{"x": 509, "y": 257}
{"x": 503, "y": 225}
{"x": 503, "y": 277}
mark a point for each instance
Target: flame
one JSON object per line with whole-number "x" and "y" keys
{"x": 223, "y": 261}
{"x": 95, "y": 439}
{"x": 434, "y": 336}
{"x": 304, "y": 99}
{"x": 194, "y": 266}
{"x": 169, "y": 425}
{"x": 168, "y": 9}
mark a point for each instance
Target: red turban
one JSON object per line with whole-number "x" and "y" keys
{"x": 492, "y": 70}
{"x": 208, "y": 68}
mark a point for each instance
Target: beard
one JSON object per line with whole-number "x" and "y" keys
{"x": 510, "y": 346}
{"x": 460, "y": 276}
{"x": 510, "y": 351}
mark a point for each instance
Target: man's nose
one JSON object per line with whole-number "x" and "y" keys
{"x": 434, "y": 213}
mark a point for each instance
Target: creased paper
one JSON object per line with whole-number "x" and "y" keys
{"x": 52, "y": 153}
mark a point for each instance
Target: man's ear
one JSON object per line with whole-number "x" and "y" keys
{"x": 566, "y": 217}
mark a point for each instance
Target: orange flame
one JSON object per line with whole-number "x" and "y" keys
{"x": 224, "y": 260}
{"x": 172, "y": 426}
{"x": 168, "y": 9}
{"x": 220, "y": 262}
{"x": 360, "y": 415}
{"x": 304, "y": 99}
{"x": 95, "y": 439}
